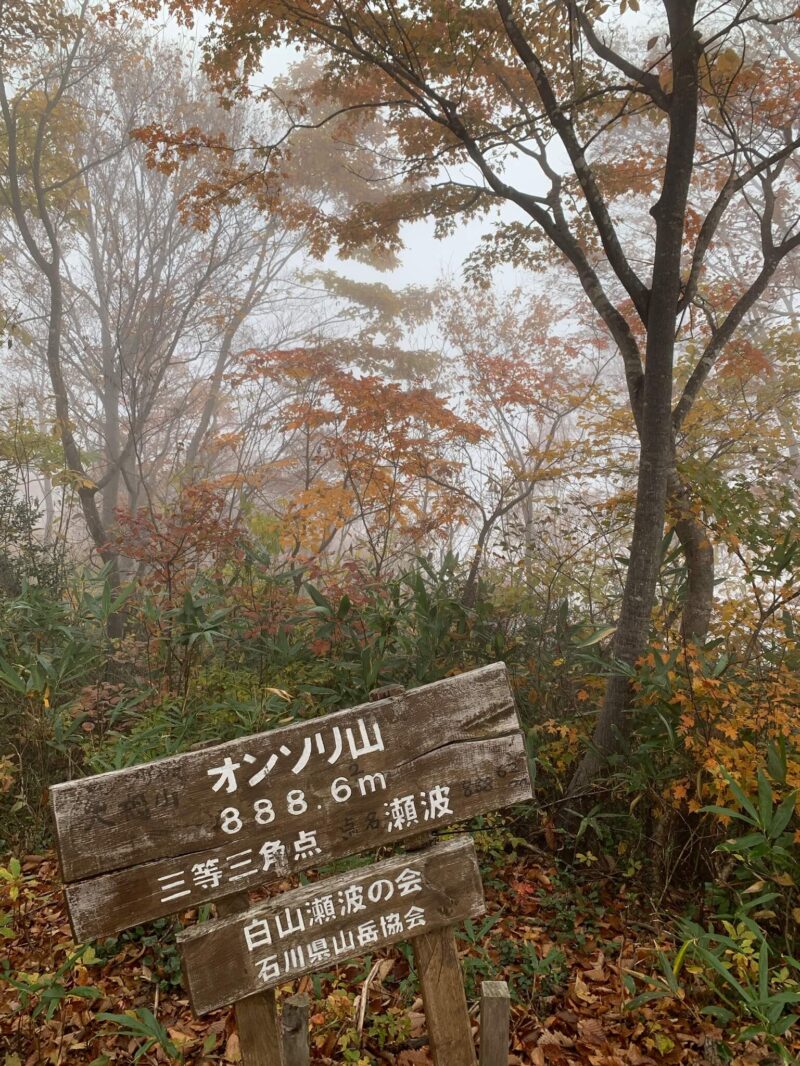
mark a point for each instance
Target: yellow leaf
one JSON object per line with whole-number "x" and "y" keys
{"x": 663, "y": 1043}
{"x": 179, "y": 1038}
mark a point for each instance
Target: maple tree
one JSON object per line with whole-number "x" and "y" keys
{"x": 640, "y": 155}
{"x": 361, "y": 453}
{"x": 21, "y": 22}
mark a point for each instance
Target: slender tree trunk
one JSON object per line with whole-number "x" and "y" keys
{"x": 87, "y": 493}
{"x": 212, "y": 399}
{"x": 51, "y": 271}
{"x": 110, "y": 390}
{"x": 698, "y": 553}
{"x": 111, "y": 429}
{"x": 211, "y": 405}
{"x": 470, "y": 592}
{"x": 655, "y": 416}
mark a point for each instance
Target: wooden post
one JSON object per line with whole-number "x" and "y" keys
{"x": 449, "y": 1031}
{"x": 443, "y": 995}
{"x": 294, "y": 1021}
{"x": 495, "y": 1023}
{"x": 256, "y": 1016}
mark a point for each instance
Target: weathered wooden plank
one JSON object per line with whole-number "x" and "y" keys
{"x": 495, "y": 1023}
{"x": 446, "y": 1015}
{"x": 449, "y": 767}
{"x": 173, "y": 806}
{"x": 257, "y": 1016}
{"x": 480, "y": 777}
{"x": 314, "y": 927}
{"x": 296, "y": 1037}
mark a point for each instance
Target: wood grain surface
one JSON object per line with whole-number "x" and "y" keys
{"x": 319, "y": 925}
{"x": 151, "y": 840}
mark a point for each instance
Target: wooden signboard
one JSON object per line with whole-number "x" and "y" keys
{"x": 140, "y": 843}
{"x": 320, "y": 925}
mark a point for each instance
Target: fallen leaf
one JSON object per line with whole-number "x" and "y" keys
{"x": 233, "y": 1052}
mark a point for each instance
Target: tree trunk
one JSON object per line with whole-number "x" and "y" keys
{"x": 698, "y": 554}
{"x": 699, "y": 601}
{"x": 655, "y": 415}
{"x": 470, "y": 593}
{"x": 87, "y": 493}
{"x": 111, "y": 428}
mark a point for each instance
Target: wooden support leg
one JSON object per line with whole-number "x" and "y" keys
{"x": 296, "y": 1037}
{"x": 449, "y": 1031}
{"x": 256, "y": 1016}
{"x": 495, "y": 1023}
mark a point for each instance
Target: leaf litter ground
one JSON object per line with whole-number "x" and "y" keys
{"x": 563, "y": 947}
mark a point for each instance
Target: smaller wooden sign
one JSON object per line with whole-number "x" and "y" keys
{"x": 317, "y": 926}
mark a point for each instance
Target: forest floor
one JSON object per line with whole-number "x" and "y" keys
{"x": 563, "y": 946}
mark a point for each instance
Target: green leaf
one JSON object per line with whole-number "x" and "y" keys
{"x": 123, "y": 598}
{"x": 740, "y": 796}
{"x": 782, "y": 816}
{"x": 711, "y": 960}
{"x": 317, "y": 597}
{"x": 777, "y": 762}
{"x": 785, "y": 1024}
{"x": 764, "y": 800}
{"x": 596, "y": 637}
{"x": 712, "y": 808}
{"x": 763, "y": 971}
{"x": 722, "y": 1014}
{"x": 85, "y": 991}
{"x": 720, "y": 666}
{"x": 745, "y": 843}
{"x": 11, "y": 678}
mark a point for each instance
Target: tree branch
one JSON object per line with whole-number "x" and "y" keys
{"x": 646, "y": 80}
{"x": 725, "y": 331}
{"x": 632, "y": 283}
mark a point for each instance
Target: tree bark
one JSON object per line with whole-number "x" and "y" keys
{"x": 655, "y": 415}
{"x": 698, "y": 553}
{"x": 470, "y": 593}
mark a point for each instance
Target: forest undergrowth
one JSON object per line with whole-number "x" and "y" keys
{"x": 662, "y": 928}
